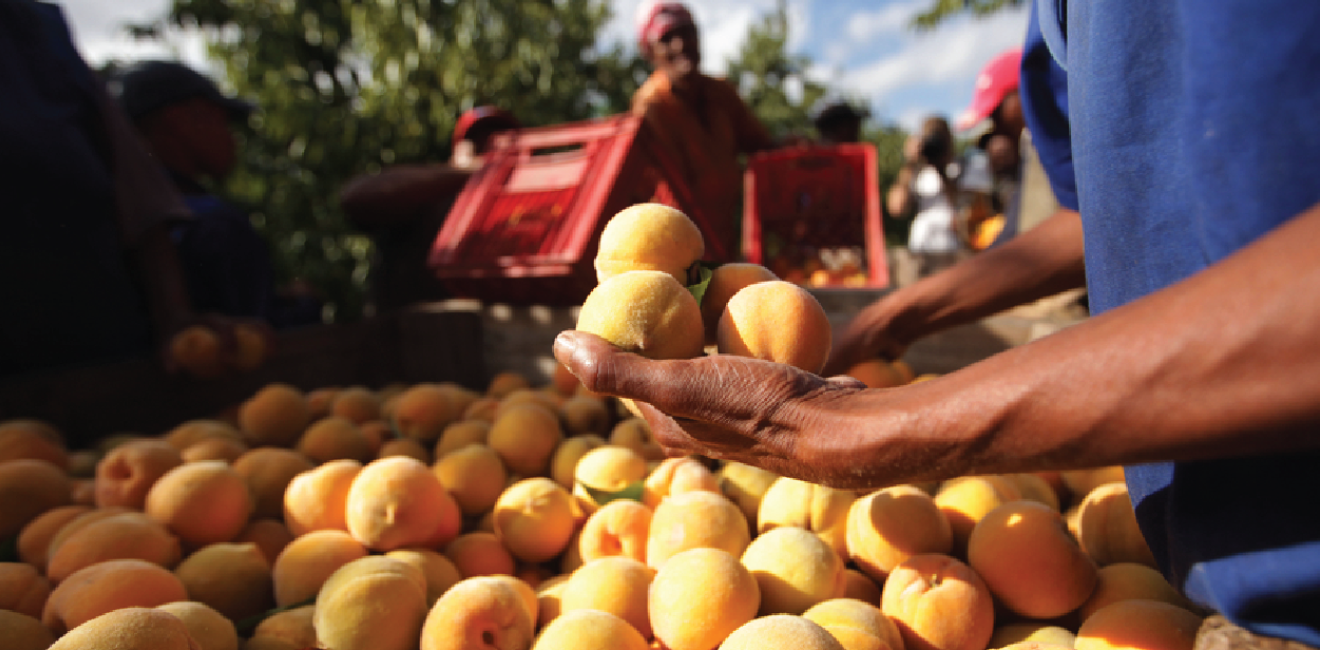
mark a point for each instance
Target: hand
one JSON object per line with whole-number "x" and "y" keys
{"x": 726, "y": 407}
{"x": 870, "y": 334}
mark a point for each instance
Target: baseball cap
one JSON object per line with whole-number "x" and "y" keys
{"x": 998, "y": 78}
{"x": 656, "y": 18}
{"x": 148, "y": 85}
{"x": 488, "y": 116}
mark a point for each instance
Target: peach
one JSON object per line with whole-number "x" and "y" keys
{"x": 634, "y": 433}
{"x": 877, "y": 373}
{"x": 1128, "y": 581}
{"x": 375, "y": 603}
{"x": 1034, "y": 487}
{"x": 357, "y": 404}
{"x": 649, "y": 236}
{"x": 890, "y": 525}
{"x": 965, "y": 500}
{"x": 1080, "y": 482}
{"x": 694, "y": 520}
{"x": 24, "y": 632}
{"x": 275, "y": 415}
{"x": 319, "y": 401}
{"x": 504, "y": 382}
{"x": 78, "y": 523}
{"x": 725, "y": 281}
{"x": 32, "y": 439}
{"x": 22, "y": 589}
{"x": 534, "y": 519}
{"x": 398, "y": 502}
{"x": 938, "y": 603}
{"x": 548, "y": 400}
{"x": 34, "y": 540}
{"x": 589, "y": 628}
{"x": 1026, "y": 556}
{"x": 745, "y": 485}
{"x": 252, "y": 344}
{"x": 781, "y": 631}
{"x": 474, "y": 476}
{"x": 525, "y": 436}
{"x": 585, "y": 414}
{"x": 480, "y": 612}
{"x": 404, "y": 447}
{"x": 235, "y": 579}
{"x": 462, "y": 433}
{"x": 82, "y": 462}
{"x": 618, "y": 585}
{"x": 194, "y": 431}
{"x": 620, "y": 527}
{"x": 563, "y": 381}
{"x": 699, "y": 597}
{"x": 863, "y": 616}
{"x": 268, "y": 472}
{"x": 482, "y": 408}
{"x": 794, "y": 568}
{"x": 292, "y": 626}
{"x": 479, "y": 553}
{"x": 270, "y": 536}
{"x": 198, "y": 350}
{"x": 209, "y": 628}
{"x": 28, "y": 488}
{"x": 316, "y": 499}
{"x": 549, "y": 599}
{"x": 817, "y": 508}
{"x": 215, "y": 448}
{"x": 334, "y": 438}
{"x": 1138, "y": 625}
{"x": 439, "y": 571}
{"x": 129, "y": 628}
{"x": 1107, "y": 527}
{"x": 1035, "y": 632}
{"x": 107, "y": 586}
{"x": 674, "y": 476}
{"x": 645, "y": 312}
{"x": 608, "y": 469}
{"x": 123, "y": 536}
{"x": 424, "y": 410}
{"x": 859, "y": 586}
{"x": 563, "y": 463}
{"x": 776, "y": 321}
{"x": 305, "y": 564}
{"x": 202, "y": 503}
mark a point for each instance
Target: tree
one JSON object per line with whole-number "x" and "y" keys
{"x": 347, "y": 86}
{"x": 763, "y": 72}
{"x": 942, "y": 10}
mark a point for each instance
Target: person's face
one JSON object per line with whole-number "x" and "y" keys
{"x": 1008, "y": 118}
{"x": 204, "y": 126}
{"x": 677, "y": 52}
{"x": 1002, "y": 152}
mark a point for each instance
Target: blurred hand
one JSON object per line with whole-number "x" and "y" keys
{"x": 722, "y": 406}
{"x": 870, "y": 334}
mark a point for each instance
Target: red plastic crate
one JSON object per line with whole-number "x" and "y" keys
{"x": 800, "y": 202}
{"x": 526, "y": 227}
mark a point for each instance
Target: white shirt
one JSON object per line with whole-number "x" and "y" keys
{"x": 933, "y": 226}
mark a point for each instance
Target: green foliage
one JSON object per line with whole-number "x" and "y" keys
{"x": 764, "y": 68}
{"x": 941, "y": 10}
{"x": 348, "y": 86}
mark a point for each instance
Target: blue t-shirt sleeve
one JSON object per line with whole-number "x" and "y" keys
{"x": 1044, "y": 92}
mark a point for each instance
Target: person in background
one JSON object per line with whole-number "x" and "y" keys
{"x": 403, "y": 207}
{"x": 839, "y": 122}
{"x": 1021, "y": 187}
{"x": 698, "y": 120}
{"x": 186, "y": 124}
{"x": 1192, "y": 221}
{"x": 925, "y": 193}
{"x": 90, "y": 272}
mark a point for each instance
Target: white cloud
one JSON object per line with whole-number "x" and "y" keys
{"x": 893, "y": 19}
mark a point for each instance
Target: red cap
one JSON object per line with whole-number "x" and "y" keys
{"x": 482, "y": 114}
{"x": 997, "y": 79}
{"x": 656, "y": 18}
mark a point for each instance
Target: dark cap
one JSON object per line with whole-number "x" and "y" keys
{"x": 146, "y": 86}
{"x": 834, "y": 111}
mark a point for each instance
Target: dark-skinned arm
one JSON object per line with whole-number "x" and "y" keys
{"x": 1042, "y": 262}
{"x": 1221, "y": 364}
{"x": 398, "y": 194}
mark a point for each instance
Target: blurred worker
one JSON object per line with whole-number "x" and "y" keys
{"x": 839, "y": 122}
{"x": 700, "y": 121}
{"x": 1022, "y": 189}
{"x": 1184, "y": 155}
{"x": 186, "y": 123}
{"x": 89, "y": 272}
{"x": 404, "y": 206}
{"x": 924, "y": 192}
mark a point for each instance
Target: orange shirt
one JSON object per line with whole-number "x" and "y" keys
{"x": 705, "y": 143}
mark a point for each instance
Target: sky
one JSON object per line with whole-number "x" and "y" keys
{"x": 861, "y": 49}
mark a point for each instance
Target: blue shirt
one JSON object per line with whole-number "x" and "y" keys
{"x": 1192, "y": 129}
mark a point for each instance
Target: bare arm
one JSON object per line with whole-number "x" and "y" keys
{"x": 398, "y": 194}
{"x": 1221, "y": 364}
{"x": 1041, "y": 262}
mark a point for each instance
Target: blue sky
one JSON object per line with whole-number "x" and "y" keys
{"x": 863, "y": 48}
